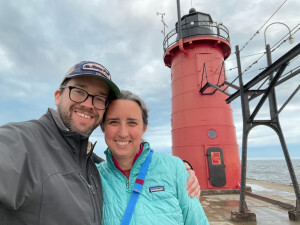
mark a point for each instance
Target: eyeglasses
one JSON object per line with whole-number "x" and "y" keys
{"x": 79, "y": 95}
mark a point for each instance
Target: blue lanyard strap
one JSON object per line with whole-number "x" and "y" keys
{"x": 137, "y": 188}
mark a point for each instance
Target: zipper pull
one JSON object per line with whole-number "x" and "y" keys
{"x": 92, "y": 189}
{"x": 127, "y": 184}
{"x": 87, "y": 184}
{"x": 95, "y": 182}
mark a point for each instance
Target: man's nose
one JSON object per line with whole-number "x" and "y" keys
{"x": 88, "y": 103}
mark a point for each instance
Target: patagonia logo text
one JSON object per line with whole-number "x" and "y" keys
{"x": 156, "y": 189}
{"x": 98, "y": 68}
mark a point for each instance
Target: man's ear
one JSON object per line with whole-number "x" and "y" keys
{"x": 57, "y": 97}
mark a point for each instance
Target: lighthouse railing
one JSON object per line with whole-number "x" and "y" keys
{"x": 203, "y": 28}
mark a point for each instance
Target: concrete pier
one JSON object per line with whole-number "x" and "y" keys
{"x": 219, "y": 207}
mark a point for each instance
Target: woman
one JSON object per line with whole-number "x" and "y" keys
{"x": 163, "y": 198}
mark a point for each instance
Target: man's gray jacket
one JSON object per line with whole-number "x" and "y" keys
{"x": 46, "y": 175}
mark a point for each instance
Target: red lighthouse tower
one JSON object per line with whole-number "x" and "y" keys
{"x": 203, "y": 131}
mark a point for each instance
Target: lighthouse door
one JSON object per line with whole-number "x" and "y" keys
{"x": 217, "y": 176}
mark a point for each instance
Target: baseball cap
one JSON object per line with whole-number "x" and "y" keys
{"x": 88, "y": 68}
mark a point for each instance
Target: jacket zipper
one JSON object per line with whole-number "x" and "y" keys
{"x": 91, "y": 190}
{"x": 94, "y": 180}
{"x": 127, "y": 179}
{"x": 89, "y": 186}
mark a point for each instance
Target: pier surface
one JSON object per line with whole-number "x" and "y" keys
{"x": 218, "y": 207}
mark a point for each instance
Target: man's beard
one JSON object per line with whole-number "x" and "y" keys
{"x": 65, "y": 115}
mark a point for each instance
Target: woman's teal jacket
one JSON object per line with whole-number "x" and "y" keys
{"x": 163, "y": 200}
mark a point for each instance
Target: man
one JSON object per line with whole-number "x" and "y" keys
{"x": 47, "y": 166}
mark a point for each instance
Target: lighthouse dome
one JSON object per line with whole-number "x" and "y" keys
{"x": 192, "y": 10}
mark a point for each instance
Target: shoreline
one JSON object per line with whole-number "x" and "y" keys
{"x": 276, "y": 191}
{"x": 270, "y": 185}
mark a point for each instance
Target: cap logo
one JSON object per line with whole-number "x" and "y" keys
{"x": 96, "y": 67}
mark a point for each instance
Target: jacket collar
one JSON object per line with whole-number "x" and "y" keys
{"x": 73, "y": 138}
{"x": 136, "y": 166}
{"x": 59, "y": 123}
{"x": 57, "y": 119}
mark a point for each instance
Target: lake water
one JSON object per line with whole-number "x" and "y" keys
{"x": 274, "y": 170}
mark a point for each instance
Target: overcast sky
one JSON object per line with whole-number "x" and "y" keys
{"x": 40, "y": 40}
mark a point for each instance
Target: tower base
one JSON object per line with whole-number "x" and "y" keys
{"x": 243, "y": 217}
{"x": 294, "y": 215}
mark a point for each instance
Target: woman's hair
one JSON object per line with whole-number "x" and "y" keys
{"x": 127, "y": 95}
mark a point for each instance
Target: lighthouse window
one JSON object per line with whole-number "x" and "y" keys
{"x": 212, "y": 133}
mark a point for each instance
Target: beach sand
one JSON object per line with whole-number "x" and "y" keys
{"x": 218, "y": 207}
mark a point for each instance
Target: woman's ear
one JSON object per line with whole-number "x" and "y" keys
{"x": 145, "y": 128}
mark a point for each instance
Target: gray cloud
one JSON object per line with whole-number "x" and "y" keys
{"x": 41, "y": 40}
